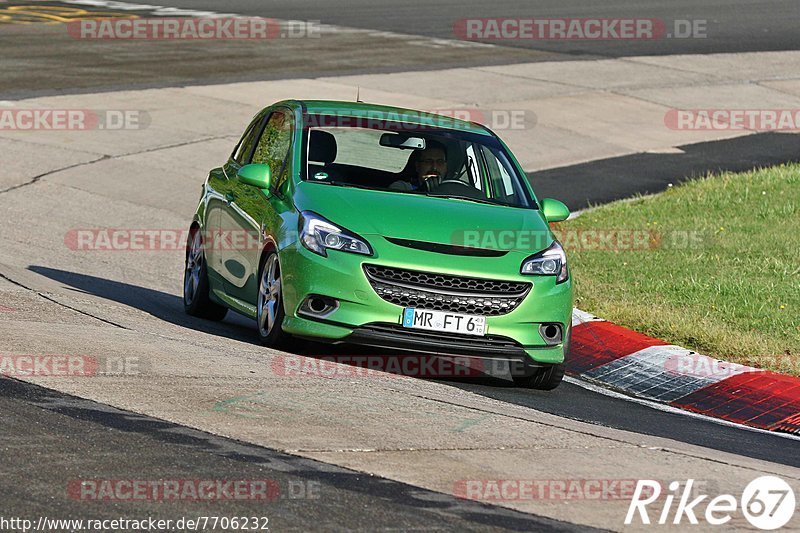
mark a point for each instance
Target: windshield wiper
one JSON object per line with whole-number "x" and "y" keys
{"x": 469, "y": 198}
{"x": 346, "y": 184}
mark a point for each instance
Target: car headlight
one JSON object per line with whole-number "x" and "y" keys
{"x": 550, "y": 262}
{"x": 319, "y": 235}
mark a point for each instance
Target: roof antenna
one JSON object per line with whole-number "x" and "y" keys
{"x": 358, "y": 94}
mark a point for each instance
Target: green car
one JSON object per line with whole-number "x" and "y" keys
{"x": 348, "y": 222}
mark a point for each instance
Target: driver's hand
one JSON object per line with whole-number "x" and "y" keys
{"x": 431, "y": 180}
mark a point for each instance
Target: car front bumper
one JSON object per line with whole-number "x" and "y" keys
{"x": 363, "y": 317}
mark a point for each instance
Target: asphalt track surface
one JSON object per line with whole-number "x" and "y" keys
{"x": 733, "y": 26}
{"x": 71, "y": 437}
{"x": 605, "y": 180}
{"x": 48, "y": 430}
{"x": 46, "y": 60}
{"x": 569, "y": 400}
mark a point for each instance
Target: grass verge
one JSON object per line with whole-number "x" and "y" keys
{"x": 712, "y": 265}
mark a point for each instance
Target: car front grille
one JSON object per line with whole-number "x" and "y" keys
{"x": 443, "y": 292}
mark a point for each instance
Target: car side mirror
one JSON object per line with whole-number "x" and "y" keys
{"x": 257, "y": 175}
{"x": 553, "y": 210}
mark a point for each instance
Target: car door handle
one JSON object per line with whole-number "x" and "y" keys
{"x": 230, "y": 197}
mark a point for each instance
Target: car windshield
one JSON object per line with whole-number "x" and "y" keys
{"x": 419, "y": 160}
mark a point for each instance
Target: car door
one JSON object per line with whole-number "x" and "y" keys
{"x": 252, "y": 214}
{"x": 220, "y": 185}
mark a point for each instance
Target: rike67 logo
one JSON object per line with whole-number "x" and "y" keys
{"x": 768, "y": 503}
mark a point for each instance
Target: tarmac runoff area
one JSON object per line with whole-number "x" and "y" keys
{"x": 555, "y": 116}
{"x": 215, "y": 378}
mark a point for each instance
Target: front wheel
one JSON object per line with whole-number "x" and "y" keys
{"x": 543, "y": 378}
{"x": 269, "y": 310}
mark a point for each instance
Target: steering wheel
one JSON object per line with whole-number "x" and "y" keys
{"x": 459, "y": 182}
{"x": 458, "y": 188}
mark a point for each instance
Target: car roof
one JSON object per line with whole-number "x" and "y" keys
{"x": 399, "y": 114}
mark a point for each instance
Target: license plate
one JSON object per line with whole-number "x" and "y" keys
{"x": 444, "y": 321}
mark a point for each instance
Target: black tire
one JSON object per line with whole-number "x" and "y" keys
{"x": 196, "y": 301}
{"x": 271, "y": 335}
{"x": 543, "y": 378}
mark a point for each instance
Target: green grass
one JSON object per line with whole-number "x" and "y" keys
{"x": 734, "y": 294}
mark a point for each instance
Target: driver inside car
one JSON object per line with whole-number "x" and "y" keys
{"x": 430, "y": 167}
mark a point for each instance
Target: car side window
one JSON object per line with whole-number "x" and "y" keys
{"x": 245, "y": 147}
{"x": 274, "y": 144}
{"x": 502, "y": 185}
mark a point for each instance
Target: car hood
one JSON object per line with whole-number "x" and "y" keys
{"x": 426, "y": 219}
